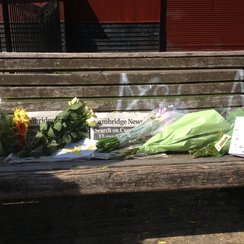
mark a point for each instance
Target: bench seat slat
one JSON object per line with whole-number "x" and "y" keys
{"x": 47, "y": 179}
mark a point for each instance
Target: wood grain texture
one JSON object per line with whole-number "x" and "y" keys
{"x": 122, "y": 82}
{"x": 46, "y": 179}
{"x": 131, "y": 63}
{"x": 20, "y": 55}
{"x": 131, "y": 104}
{"x": 116, "y": 78}
{"x": 120, "y": 90}
{"x": 127, "y": 61}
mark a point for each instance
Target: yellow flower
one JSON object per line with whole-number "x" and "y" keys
{"x": 20, "y": 115}
{"x": 21, "y": 121}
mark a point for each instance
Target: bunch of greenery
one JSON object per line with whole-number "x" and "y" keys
{"x": 70, "y": 125}
{"x": 8, "y": 135}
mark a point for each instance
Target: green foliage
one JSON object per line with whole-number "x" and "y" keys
{"x": 108, "y": 144}
{"x": 207, "y": 151}
{"x": 8, "y": 135}
{"x": 68, "y": 126}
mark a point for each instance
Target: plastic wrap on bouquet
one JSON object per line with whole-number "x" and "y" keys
{"x": 221, "y": 146}
{"x": 193, "y": 130}
{"x": 154, "y": 122}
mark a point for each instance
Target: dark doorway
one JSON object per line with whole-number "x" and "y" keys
{"x": 113, "y": 26}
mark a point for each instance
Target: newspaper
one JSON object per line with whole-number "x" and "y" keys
{"x": 113, "y": 123}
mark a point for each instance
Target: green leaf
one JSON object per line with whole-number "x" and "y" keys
{"x": 43, "y": 126}
{"x": 63, "y": 115}
{"x": 39, "y": 134}
{"x": 75, "y": 106}
{"x": 58, "y": 126}
{"x": 67, "y": 138}
{"x": 81, "y": 135}
{"x": 74, "y": 135}
{"x": 83, "y": 128}
{"x": 51, "y": 132}
{"x": 74, "y": 116}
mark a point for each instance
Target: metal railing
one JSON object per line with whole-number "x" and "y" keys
{"x": 32, "y": 26}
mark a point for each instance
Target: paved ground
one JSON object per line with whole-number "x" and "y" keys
{"x": 211, "y": 217}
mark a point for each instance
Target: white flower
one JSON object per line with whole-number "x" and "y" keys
{"x": 74, "y": 101}
{"x": 92, "y": 121}
{"x": 91, "y": 113}
{"x": 87, "y": 111}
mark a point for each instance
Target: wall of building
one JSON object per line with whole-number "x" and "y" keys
{"x": 134, "y": 25}
{"x": 205, "y": 25}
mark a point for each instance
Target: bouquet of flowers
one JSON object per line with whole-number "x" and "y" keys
{"x": 193, "y": 130}
{"x": 69, "y": 126}
{"x": 221, "y": 145}
{"x": 153, "y": 123}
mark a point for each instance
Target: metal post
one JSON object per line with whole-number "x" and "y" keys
{"x": 7, "y": 25}
{"x": 163, "y": 33}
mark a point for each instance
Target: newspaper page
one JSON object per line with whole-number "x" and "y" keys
{"x": 113, "y": 123}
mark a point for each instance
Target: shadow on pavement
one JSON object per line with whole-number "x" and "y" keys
{"x": 122, "y": 218}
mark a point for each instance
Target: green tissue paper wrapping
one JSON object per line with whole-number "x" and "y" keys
{"x": 193, "y": 130}
{"x": 210, "y": 149}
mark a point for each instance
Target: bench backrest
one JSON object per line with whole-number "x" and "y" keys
{"x": 122, "y": 81}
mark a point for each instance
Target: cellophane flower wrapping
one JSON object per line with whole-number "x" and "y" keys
{"x": 154, "y": 122}
{"x": 193, "y": 130}
{"x": 211, "y": 149}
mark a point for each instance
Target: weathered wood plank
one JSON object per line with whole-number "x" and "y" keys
{"x": 122, "y": 55}
{"x": 130, "y": 63}
{"x": 152, "y": 174}
{"x": 121, "y": 90}
{"x": 115, "y": 77}
{"x": 132, "y": 104}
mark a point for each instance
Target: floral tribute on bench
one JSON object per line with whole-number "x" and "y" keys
{"x": 202, "y": 133}
{"x": 69, "y": 126}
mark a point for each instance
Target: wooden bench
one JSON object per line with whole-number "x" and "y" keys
{"x": 121, "y": 82}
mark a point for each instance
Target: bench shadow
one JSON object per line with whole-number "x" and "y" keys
{"x": 83, "y": 30}
{"x": 122, "y": 218}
